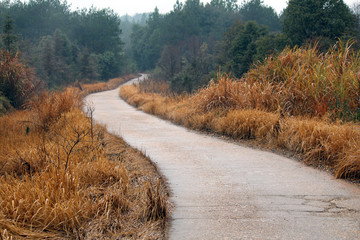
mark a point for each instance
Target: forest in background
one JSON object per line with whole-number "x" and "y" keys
{"x": 62, "y": 45}
{"x": 46, "y": 44}
{"x": 187, "y": 46}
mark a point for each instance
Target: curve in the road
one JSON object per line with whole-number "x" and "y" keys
{"x": 225, "y": 191}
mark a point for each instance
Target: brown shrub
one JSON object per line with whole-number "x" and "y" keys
{"x": 48, "y": 108}
{"x": 17, "y": 82}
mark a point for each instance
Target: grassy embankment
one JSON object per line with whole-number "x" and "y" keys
{"x": 63, "y": 177}
{"x": 302, "y": 101}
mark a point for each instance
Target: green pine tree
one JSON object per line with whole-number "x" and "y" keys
{"x": 8, "y": 37}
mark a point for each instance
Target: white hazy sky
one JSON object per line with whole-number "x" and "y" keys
{"x": 131, "y": 7}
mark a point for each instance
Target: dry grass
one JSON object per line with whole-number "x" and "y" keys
{"x": 302, "y": 101}
{"x": 303, "y": 82}
{"x": 87, "y": 88}
{"x": 63, "y": 178}
{"x": 298, "y": 82}
{"x": 160, "y": 87}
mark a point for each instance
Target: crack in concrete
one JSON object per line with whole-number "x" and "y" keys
{"x": 324, "y": 203}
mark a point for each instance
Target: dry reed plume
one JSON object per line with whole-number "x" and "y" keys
{"x": 302, "y": 101}
{"x": 65, "y": 178}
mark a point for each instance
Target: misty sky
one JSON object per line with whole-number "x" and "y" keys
{"x": 131, "y": 7}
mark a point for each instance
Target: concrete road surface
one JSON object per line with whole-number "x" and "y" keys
{"x": 225, "y": 191}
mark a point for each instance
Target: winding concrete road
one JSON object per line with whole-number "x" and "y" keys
{"x": 225, "y": 191}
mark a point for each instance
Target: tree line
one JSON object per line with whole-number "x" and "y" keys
{"x": 188, "y": 45}
{"x": 61, "y": 45}
{"x": 185, "y": 47}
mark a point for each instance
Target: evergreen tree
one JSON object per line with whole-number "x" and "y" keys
{"x": 305, "y": 20}
{"x": 98, "y": 30}
{"x": 170, "y": 61}
{"x": 255, "y": 10}
{"x": 38, "y": 18}
{"x": 8, "y": 37}
{"x": 47, "y": 60}
{"x": 57, "y": 60}
{"x": 247, "y": 43}
{"x": 88, "y": 66}
{"x": 228, "y": 5}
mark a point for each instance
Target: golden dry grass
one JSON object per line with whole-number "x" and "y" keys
{"x": 63, "y": 178}
{"x": 264, "y": 111}
{"x": 304, "y": 82}
{"x": 87, "y": 88}
{"x": 160, "y": 87}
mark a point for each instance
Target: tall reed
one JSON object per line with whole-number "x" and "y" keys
{"x": 304, "y": 82}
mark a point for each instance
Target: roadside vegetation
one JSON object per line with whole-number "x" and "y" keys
{"x": 88, "y": 88}
{"x": 64, "y": 177}
{"x": 302, "y": 100}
